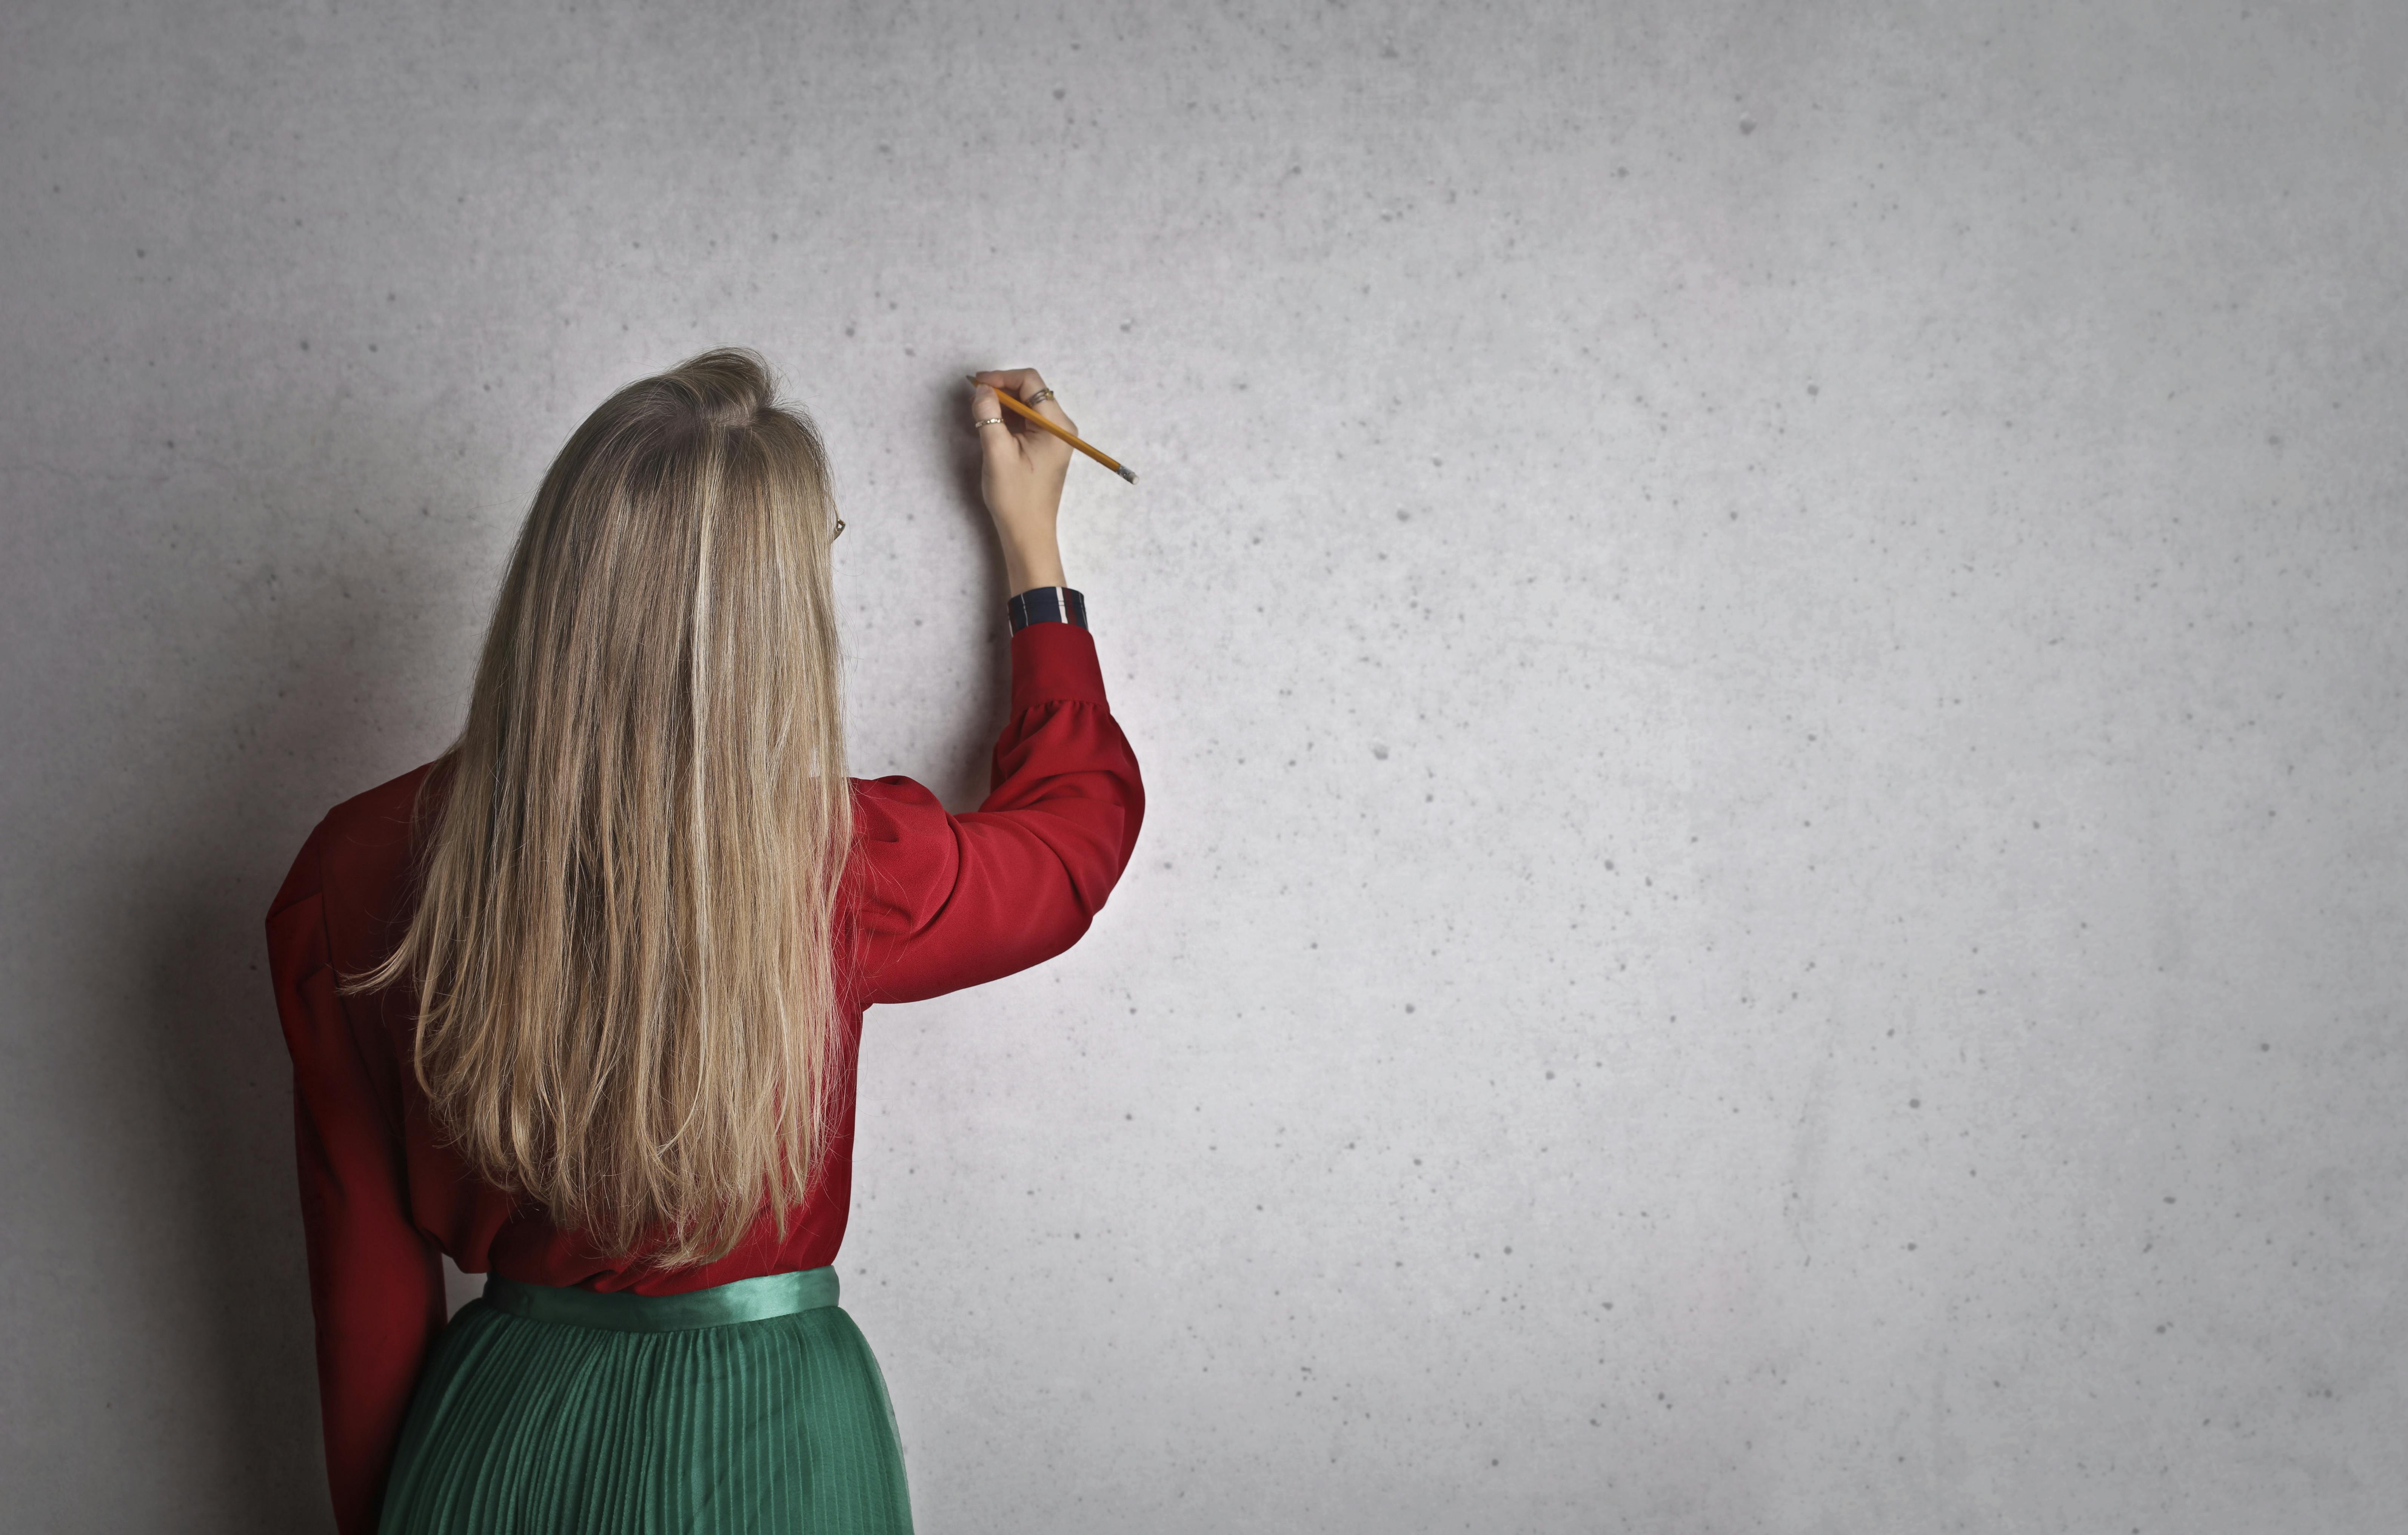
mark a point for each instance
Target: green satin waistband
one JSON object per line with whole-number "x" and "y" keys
{"x": 744, "y": 1300}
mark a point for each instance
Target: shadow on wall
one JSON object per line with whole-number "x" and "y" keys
{"x": 317, "y": 670}
{"x": 962, "y": 771}
{"x": 311, "y": 669}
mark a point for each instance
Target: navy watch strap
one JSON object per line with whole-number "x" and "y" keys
{"x": 1047, "y": 605}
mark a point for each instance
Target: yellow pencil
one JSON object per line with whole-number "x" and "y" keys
{"x": 1125, "y": 473}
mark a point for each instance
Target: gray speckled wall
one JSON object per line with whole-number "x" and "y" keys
{"x": 1767, "y": 644}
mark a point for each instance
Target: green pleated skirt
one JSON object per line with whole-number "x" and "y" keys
{"x": 753, "y": 1408}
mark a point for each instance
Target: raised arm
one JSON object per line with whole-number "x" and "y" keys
{"x": 947, "y": 901}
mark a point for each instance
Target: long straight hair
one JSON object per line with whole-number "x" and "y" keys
{"x": 623, "y": 946}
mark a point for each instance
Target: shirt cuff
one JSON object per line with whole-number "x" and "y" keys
{"x": 1052, "y": 662}
{"x": 1047, "y": 605}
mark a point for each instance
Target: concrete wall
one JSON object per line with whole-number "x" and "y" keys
{"x": 1767, "y": 644}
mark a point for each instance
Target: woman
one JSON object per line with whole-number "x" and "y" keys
{"x": 578, "y": 1002}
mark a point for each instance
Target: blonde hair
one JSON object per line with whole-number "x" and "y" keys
{"x": 623, "y": 945}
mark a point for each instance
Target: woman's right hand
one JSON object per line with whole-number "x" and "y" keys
{"x": 1020, "y": 477}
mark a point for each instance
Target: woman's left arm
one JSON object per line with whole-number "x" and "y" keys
{"x": 375, "y": 1282}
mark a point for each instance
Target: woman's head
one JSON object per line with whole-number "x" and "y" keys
{"x": 623, "y": 945}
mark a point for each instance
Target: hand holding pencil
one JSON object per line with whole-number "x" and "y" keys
{"x": 1021, "y": 471}
{"x": 1020, "y": 475}
{"x": 1040, "y": 419}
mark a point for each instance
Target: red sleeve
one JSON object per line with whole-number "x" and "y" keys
{"x": 948, "y": 901}
{"x": 375, "y": 1282}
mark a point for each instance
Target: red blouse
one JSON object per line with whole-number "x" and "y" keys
{"x": 938, "y": 902}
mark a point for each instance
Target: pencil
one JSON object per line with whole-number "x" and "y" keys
{"x": 1113, "y": 465}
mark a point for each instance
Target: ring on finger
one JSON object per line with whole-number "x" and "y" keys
{"x": 1040, "y": 397}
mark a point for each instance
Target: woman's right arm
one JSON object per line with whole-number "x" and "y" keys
{"x": 948, "y": 901}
